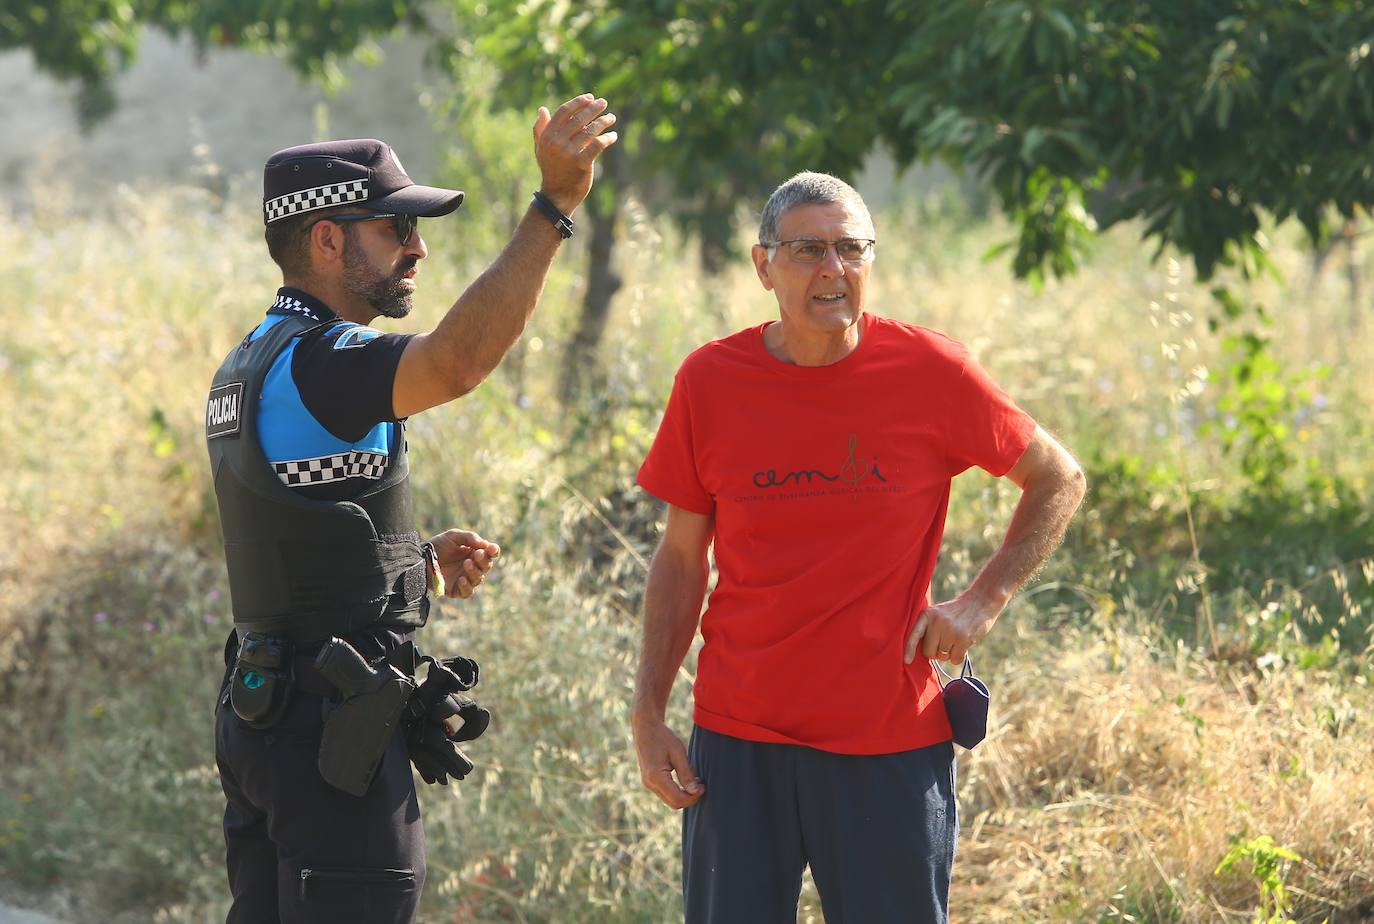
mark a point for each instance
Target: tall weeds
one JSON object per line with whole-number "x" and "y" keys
{"x": 1189, "y": 671}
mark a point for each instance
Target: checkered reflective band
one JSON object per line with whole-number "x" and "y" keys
{"x": 286, "y": 303}
{"x": 308, "y": 200}
{"x": 352, "y": 464}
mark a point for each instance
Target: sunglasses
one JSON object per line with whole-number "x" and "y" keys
{"x": 405, "y": 224}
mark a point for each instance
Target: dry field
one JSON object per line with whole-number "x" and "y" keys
{"x": 1190, "y": 677}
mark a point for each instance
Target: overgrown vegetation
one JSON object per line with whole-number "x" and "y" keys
{"x": 1190, "y": 676}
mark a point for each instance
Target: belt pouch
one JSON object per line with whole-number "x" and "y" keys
{"x": 262, "y": 683}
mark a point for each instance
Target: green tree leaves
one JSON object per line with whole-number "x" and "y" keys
{"x": 1201, "y": 117}
{"x": 1198, "y": 119}
{"x": 90, "y": 40}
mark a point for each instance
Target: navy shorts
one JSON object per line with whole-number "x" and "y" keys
{"x": 878, "y": 831}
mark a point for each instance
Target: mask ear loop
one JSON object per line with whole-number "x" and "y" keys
{"x": 963, "y": 672}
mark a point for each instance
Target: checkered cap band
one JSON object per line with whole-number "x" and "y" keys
{"x": 326, "y": 469}
{"x": 308, "y": 200}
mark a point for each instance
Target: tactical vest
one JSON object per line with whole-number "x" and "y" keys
{"x": 298, "y": 567}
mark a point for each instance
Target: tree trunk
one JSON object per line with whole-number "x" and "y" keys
{"x": 581, "y": 365}
{"x": 717, "y": 236}
{"x": 716, "y": 225}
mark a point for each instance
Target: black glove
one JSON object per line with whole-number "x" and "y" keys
{"x": 465, "y": 673}
{"x": 475, "y": 718}
{"x": 431, "y": 713}
{"x": 434, "y": 755}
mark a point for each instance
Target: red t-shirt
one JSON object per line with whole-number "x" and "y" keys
{"x": 829, "y": 486}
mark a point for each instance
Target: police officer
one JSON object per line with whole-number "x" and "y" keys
{"x": 305, "y": 425}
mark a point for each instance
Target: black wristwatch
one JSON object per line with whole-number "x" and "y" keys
{"x": 562, "y": 222}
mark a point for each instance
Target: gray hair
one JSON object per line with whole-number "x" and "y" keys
{"x": 808, "y": 188}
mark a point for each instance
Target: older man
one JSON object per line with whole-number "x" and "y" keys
{"x": 306, "y": 430}
{"x": 816, "y": 451}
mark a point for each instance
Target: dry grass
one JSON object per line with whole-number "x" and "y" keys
{"x": 1121, "y": 770}
{"x": 1122, "y": 763}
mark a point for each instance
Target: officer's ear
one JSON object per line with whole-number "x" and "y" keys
{"x": 327, "y": 241}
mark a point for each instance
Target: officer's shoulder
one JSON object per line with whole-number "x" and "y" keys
{"x": 343, "y": 335}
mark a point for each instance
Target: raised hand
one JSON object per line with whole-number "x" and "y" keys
{"x": 566, "y": 146}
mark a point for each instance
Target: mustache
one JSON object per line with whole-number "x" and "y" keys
{"x": 406, "y": 266}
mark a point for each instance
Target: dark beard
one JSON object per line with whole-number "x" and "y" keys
{"x": 387, "y": 295}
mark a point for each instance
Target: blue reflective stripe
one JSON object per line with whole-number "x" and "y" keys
{"x": 288, "y": 431}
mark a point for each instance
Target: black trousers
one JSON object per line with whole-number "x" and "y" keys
{"x": 302, "y": 852}
{"x": 877, "y": 830}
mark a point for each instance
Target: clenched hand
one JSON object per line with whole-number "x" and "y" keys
{"x": 464, "y": 560}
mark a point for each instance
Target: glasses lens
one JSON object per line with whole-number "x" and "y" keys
{"x": 850, "y": 250}
{"x": 853, "y": 251}
{"x": 807, "y": 251}
{"x": 405, "y": 228}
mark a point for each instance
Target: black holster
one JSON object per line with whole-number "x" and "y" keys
{"x": 358, "y": 730}
{"x": 375, "y": 701}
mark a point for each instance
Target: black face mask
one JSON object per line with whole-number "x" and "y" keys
{"x": 966, "y": 703}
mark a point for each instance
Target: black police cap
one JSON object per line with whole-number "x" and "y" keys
{"x": 361, "y": 171}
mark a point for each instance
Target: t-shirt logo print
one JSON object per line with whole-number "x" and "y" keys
{"x": 852, "y": 471}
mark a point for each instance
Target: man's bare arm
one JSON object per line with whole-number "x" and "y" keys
{"x": 1052, "y": 486}
{"x": 672, "y": 608}
{"x": 482, "y": 326}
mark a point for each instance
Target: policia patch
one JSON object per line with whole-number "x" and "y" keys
{"x": 222, "y": 411}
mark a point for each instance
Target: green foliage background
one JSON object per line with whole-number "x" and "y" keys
{"x": 1198, "y": 119}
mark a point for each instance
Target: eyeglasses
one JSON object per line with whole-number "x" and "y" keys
{"x": 405, "y": 224}
{"x": 808, "y": 250}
